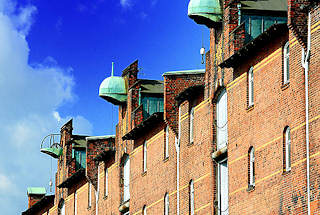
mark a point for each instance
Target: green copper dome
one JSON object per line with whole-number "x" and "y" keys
{"x": 207, "y": 12}
{"x": 113, "y": 89}
{"x": 53, "y": 152}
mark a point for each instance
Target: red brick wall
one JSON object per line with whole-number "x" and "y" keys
{"x": 314, "y": 104}
{"x": 95, "y": 147}
{"x": 32, "y": 199}
{"x": 195, "y": 158}
{"x": 173, "y": 85}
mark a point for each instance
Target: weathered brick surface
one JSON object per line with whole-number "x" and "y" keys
{"x": 94, "y": 148}
{"x": 275, "y": 107}
{"x": 174, "y": 85}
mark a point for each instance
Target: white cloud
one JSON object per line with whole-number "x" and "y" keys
{"x": 126, "y": 3}
{"x": 31, "y": 96}
{"x": 56, "y": 115}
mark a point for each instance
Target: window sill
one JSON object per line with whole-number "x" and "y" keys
{"x": 250, "y": 108}
{"x": 251, "y": 188}
{"x": 105, "y": 197}
{"x": 285, "y": 86}
{"x": 144, "y": 173}
{"x": 89, "y": 208}
{"x": 165, "y": 159}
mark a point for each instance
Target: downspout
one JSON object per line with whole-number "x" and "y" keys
{"x": 97, "y": 192}
{"x": 305, "y": 64}
{"x": 177, "y": 145}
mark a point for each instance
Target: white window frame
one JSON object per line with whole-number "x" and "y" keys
{"x": 98, "y": 181}
{"x": 191, "y": 124}
{"x": 166, "y": 204}
{"x": 145, "y": 145}
{"x": 250, "y": 87}
{"x": 286, "y": 57}
{"x": 75, "y": 203}
{"x": 288, "y": 149}
{"x": 222, "y": 120}
{"x": 144, "y": 210}
{"x": 179, "y": 125}
{"x": 106, "y": 181}
{"x": 166, "y": 150}
{"x": 191, "y": 197}
{"x": 126, "y": 181}
{"x": 89, "y": 195}
{"x": 63, "y": 209}
{"x": 222, "y": 210}
{"x": 251, "y": 167}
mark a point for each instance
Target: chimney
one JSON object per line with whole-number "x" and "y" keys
{"x": 35, "y": 194}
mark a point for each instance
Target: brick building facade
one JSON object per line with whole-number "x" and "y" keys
{"x": 232, "y": 139}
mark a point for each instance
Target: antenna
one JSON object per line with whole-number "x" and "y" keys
{"x": 112, "y": 68}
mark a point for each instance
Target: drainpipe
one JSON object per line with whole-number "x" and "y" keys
{"x": 97, "y": 192}
{"x": 305, "y": 64}
{"x": 177, "y": 145}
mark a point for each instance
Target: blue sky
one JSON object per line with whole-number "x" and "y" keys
{"x": 53, "y": 57}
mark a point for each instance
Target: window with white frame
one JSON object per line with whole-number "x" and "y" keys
{"x": 145, "y": 156}
{"x": 144, "y": 210}
{"x": 89, "y": 195}
{"x": 223, "y": 188}
{"x": 286, "y": 63}
{"x": 179, "y": 125}
{"x": 250, "y": 86}
{"x": 166, "y": 146}
{"x": 222, "y": 120}
{"x": 251, "y": 167}
{"x": 126, "y": 179}
{"x": 75, "y": 203}
{"x": 287, "y": 139}
{"x": 191, "y": 198}
{"x": 63, "y": 209}
{"x": 98, "y": 178}
{"x": 191, "y": 124}
{"x": 166, "y": 204}
{"x": 106, "y": 181}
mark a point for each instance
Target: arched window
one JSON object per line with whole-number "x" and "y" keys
{"x": 166, "y": 146}
{"x": 222, "y": 120}
{"x": 250, "y": 87}
{"x": 126, "y": 179}
{"x": 166, "y": 204}
{"x": 223, "y": 188}
{"x": 251, "y": 168}
{"x": 191, "y": 124}
{"x": 89, "y": 194}
{"x": 144, "y": 210}
{"x": 145, "y": 156}
{"x": 286, "y": 63}
{"x": 75, "y": 203}
{"x": 287, "y": 148}
{"x": 106, "y": 181}
{"x": 61, "y": 207}
{"x": 191, "y": 198}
